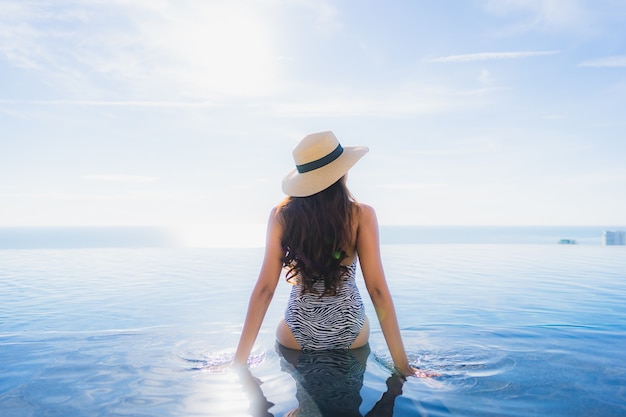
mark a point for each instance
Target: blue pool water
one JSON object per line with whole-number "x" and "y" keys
{"x": 510, "y": 329}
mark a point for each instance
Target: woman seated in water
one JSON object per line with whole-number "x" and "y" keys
{"x": 317, "y": 234}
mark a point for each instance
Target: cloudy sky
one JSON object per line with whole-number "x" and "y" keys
{"x": 157, "y": 112}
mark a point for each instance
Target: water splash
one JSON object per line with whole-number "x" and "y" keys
{"x": 219, "y": 362}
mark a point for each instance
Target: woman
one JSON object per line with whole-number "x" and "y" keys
{"x": 317, "y": 234}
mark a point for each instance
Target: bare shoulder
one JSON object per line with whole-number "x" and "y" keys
{"x": 366, "y": 214}
{"x": 367, "y": 229}
{"x": 274, "y": 212}
{"x": 274, "y": 225}
{"x": 276, "y": 215}
{"x": 368, "y": 248}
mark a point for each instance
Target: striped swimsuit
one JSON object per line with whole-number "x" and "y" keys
{"x": 328, "y": 322}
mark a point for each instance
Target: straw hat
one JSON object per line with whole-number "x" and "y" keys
{"x": 320, "y": 162}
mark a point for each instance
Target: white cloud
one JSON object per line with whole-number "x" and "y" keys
{"x": 440, "y": 152}
{"x": 596, "y": 178}
{"x": 554, "y": 117}
{"x": 542, "y": 15}
{"x": 357, "y": 106}
{"x": 72, "y": 196}
{"x": 324, "y": 13}
{"x": 116, "y": 103}
{"x": 184, "y": 49}
{"x": 400, "y": 100}
{"x": 121, "y": 178}
{"x": 490, "y": 56}
{"x": 618, "y": 61}
{"x": 411, "y": 186}
{"x": 485, "y": 78}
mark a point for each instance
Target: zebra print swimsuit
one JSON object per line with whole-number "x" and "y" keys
{"x": 329, "y": 322}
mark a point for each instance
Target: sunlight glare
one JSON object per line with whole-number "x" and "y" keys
{"x": 230, "y": 400}
{"x": 221, "y": 47}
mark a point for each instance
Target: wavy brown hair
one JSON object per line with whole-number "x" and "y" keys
{"x": 317, "y": 232}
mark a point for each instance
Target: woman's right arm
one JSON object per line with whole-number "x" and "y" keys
{"x": 263, "y": 291}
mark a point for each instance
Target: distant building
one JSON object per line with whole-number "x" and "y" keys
{"x": 567, "y": 242}
{"x": 614, "y": 237}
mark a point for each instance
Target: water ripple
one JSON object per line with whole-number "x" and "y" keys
{"x": 218, "y": 362}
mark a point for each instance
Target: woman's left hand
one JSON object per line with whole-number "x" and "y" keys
{"x": 418, "y": 373}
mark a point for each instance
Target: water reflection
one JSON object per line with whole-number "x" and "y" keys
{"x": 327, "y": 384}
{"x": 259, "y": 405}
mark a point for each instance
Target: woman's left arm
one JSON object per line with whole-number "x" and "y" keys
{"x": 368, "y": 249}
{"x": 263, "y": 291}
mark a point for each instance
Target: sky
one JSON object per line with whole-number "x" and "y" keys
{"x": 183, "y": 113}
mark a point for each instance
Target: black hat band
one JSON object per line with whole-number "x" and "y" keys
{"x": 313, "y": 165}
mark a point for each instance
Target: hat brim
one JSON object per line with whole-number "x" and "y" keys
{"x": 296, "y": 184}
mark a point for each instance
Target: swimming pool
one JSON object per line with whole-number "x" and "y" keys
{"x": 511, "y": 330}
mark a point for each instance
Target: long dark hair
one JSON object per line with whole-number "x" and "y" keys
{"x": 317, "y": 233}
